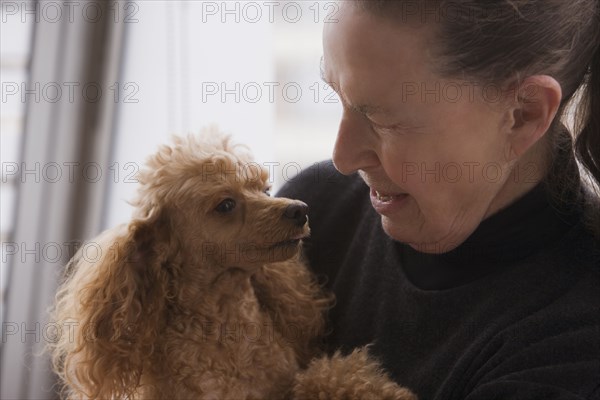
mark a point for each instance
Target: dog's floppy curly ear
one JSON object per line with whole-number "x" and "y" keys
{"x": 118, "y": 307}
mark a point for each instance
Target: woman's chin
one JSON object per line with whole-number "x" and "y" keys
{"x": 417, "y": 238}
{"x": 397, "y": 231}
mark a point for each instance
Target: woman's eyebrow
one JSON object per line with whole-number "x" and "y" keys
{"x": 364, "y": 109}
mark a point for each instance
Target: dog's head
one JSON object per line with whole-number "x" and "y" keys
{"x": 215, "y": 199}
{"x": 202, "y": 207}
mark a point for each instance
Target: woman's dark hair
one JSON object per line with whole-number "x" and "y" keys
{"x": 501, "y": 42}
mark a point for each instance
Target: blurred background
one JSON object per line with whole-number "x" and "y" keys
{"x": 91, "y": 88}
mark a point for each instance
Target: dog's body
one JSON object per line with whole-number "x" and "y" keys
{"x": 202, "y": 295}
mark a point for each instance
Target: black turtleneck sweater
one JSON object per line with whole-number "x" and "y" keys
{"x": 512, "y": 313}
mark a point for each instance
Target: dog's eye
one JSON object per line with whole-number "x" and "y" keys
{"x": 225, "y": 206}
{"x": 267, "y": 191}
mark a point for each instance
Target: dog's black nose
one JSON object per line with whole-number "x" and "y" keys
{"x": 297, "y": 212}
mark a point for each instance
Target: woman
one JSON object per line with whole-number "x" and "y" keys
{"x": 455, "y": 229}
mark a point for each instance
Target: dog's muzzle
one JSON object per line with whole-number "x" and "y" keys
{"x": 297, "y": 213}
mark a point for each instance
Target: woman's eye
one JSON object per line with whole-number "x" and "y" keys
{"x": 382, "y": 127}
{"x": 225, "y": 206}
{"x": 394, "y": 129}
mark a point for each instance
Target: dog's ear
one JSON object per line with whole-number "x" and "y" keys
{"x": 119, "y": 311}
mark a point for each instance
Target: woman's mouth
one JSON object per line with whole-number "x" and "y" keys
{"x": 384, "y": 197}
{"x": 385, "y": 203}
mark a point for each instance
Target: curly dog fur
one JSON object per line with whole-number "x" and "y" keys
{"x": 203, "y": 294}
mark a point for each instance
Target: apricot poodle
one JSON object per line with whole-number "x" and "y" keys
{"x": 203, "y": 294}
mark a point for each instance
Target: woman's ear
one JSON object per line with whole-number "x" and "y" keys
{"x": 533, "y": 109}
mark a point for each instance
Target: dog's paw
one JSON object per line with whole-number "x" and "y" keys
{"x": 355, "y": 376}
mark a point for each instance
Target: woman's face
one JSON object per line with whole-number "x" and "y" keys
{"x": 432, "y": 150}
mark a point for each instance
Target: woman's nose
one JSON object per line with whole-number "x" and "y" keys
{"x": 354, "y": 148}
